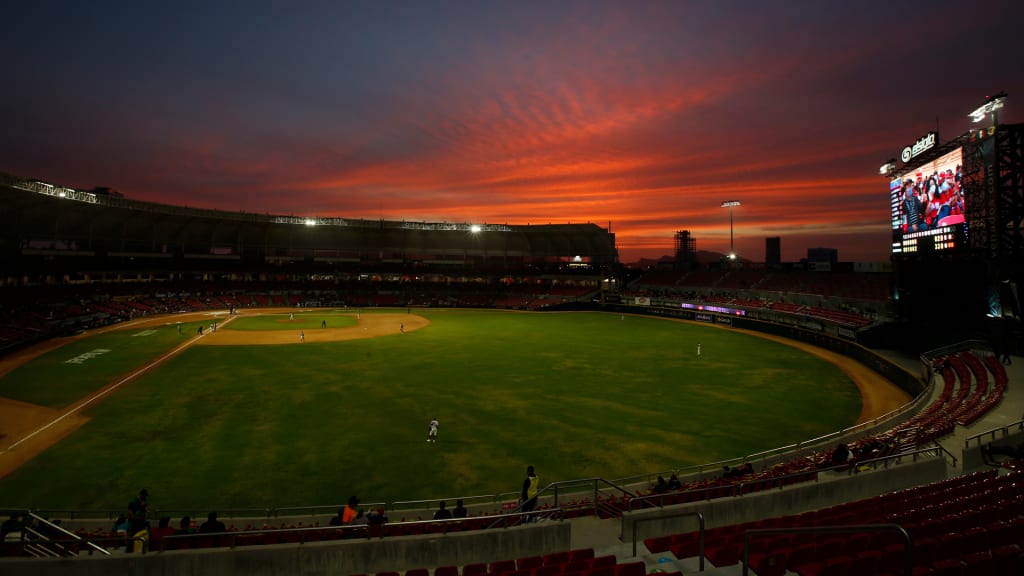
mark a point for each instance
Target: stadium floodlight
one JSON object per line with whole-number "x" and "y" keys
{"x": 992, "y": 103}
{"x": 310, "y": 222}
{"x": 888, "y": 168}
{"x": 475, "y": 228}
{"x": 730, "y": 204}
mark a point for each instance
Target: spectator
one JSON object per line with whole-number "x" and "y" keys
{"x": 122, "y": 525}
{"x": 674, "y": 483}
{"x": 184, "y": 526}
{"x": 840, "y": 456}
{"x": 336, "y": 519}
{"x": 442, "y": 512}
{"x": 459, "y": 511}
{"x": 351, "y": 512}
{"x": 376, "y": 517}
{"x": 375, "y": 520}
{"x": 661, "y": 486}
{"x": 163, "y": 529}
{"x": 138, "y": 508}
{"x": 742, "y": 470}
{"x": 212, "y": 525}
{"x": 531, "y": 485}
{"x": 11, "y": 528}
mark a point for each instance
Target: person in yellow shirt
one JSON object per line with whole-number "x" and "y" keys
{"x": 531, "y": 485}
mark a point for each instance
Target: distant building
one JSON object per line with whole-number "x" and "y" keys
{"x": 773, "y": 252}
{"x": 686, "y": 250}
{"x": 822, "y": 259}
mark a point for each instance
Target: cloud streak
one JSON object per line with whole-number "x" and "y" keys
{"x": 644, "y": 116}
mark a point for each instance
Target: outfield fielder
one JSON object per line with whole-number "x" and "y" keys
{"x": 432, "y": 431}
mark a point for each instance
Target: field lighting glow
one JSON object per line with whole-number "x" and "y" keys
{"x": 310, "y": 222}
{"x": 475, "y": 228}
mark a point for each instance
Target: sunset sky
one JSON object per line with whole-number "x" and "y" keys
{"x": 641, "y": 116}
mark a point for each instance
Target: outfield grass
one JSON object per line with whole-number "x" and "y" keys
{"x": 69, "y": 373}
{"x": 575, "y": 394}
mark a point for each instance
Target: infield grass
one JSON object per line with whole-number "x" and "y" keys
{"x": 574, "y": 394}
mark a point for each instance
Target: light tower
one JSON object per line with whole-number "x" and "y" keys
{"x": 730, "y": 204}
{"x": 989, "y": 108}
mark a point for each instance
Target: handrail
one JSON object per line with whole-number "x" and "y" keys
{"x": 325, "y": 508}
{"x": 908, "y": 546}
{"x": 199, "y": 512}
{"x": 700, "y": 533}
{"x": 1004, "y": 429}
{"x": 70, "y": 513}
{"x": 232, "y": 536}
{"x": 554, "y": 487}
{"x": 430, "y": 502}
{"x": 936, "y": 450}
{"x": 65, "y": 533}
{"x": 739, "y": 488}
{"x": 596, "y": 480}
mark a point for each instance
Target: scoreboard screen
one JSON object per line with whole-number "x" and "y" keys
{"x": 927, "y": 206}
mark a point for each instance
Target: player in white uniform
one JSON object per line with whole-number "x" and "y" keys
{"x": 432, "y": 431}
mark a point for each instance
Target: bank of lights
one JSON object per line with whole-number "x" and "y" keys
{"x": 992, "y": 104}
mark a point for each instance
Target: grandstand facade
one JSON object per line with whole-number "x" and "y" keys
{"x": 53, "y": 229}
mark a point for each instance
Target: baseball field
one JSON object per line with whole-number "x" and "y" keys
{"x": 281, "y": 408}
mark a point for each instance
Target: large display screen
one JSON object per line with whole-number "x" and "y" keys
{"x": 927, "y": 206}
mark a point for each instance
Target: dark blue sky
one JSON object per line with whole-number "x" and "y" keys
{"x": 644, "y": 115}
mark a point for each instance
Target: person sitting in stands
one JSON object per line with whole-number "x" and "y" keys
{"x": 184, "y": 526}
{"x": 336, "y": 519}
{"x": 660, "y": 487}
{"x": 459, "y": 511}
{"x": 351, "y": 512}
{"x": 162, "y": 529}
{"x": 442, "y": 512}
{"x": 376, "y": 517}
{"x": 122, "y": 525}
{"x": 212, "y": 525}
{"x": 840, "y": 456}
{"x": 741, "y": 470}
{"x": 674, "y": 483}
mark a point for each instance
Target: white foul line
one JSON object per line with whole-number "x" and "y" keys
{"x": 111, "y": 388}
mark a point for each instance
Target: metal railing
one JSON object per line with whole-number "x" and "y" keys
{"x": 700, "y": 532}
{"x": 350, "y": 531}
{"x": 991, "y": 434}
{"x": 40, "y": 537}
{"x": 432, "y": 503}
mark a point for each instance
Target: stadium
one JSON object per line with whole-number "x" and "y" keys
{"x": 267, "y": 368}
